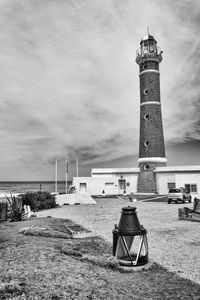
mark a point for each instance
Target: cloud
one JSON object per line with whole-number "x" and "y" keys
{"x": 69, "y": 81}
{"x": 179, "y": 83}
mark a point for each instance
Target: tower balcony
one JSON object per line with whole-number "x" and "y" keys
{"x": 142, "y": 55}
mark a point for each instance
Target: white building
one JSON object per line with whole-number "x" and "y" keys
{"x": 108, "y": 181}
{"x": 124, "y": 180}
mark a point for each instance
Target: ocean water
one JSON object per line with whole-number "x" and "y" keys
{"x": 32, "y": 186}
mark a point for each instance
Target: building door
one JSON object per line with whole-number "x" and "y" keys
{"x": 109, "y": 188}
{"x": 122, "y": 186}
{"x": 83, "y": 187}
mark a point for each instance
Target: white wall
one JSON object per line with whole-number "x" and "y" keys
{"x": 132, "y": 179}
{"x": 180, "y": 179}
{"x": 96, "y": 185}
{"x": 103, "y": 175}
{"x": 189, "y": 178}
{"x": 162, "y": 180}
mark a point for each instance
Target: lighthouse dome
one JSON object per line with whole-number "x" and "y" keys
{"x": 148, "y": 37}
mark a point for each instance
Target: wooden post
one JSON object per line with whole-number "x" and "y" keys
{"x": 3, "y": 211}
{"x": 66, "y": 174}
{"x": 181, "y": 214}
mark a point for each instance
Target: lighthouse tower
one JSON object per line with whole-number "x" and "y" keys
{"x": 151, "y": 145}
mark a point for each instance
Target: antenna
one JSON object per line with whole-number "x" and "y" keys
{"x": 148, "y": 30}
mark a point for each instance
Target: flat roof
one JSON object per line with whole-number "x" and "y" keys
{"x": 167, "y": 169}
{"x": 114, "y": 170}
{"x": 177, "y": 169}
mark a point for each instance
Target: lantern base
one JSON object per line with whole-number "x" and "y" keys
{"x": 125, "y": 260}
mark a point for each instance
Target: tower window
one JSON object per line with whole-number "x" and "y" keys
{"x": 146, "y": 143}
{"x": 145, "y": 67}
{"x": 146, "y": 117}
{"x": 146, "y": 167}
{"x": 146, "y": 92}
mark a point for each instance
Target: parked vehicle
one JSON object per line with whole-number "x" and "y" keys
{"x": 179, "y": 194}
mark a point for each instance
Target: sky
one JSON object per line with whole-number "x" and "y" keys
{"x": 69, "y": 84}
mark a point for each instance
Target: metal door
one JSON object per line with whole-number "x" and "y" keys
{"x": 122, "y": 186}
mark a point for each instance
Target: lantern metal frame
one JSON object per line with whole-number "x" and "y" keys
{"x": 124, "y": 245}
{"x": 125, "y": 236}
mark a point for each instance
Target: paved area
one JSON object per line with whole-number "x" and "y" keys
{"x": 172, "y": 243}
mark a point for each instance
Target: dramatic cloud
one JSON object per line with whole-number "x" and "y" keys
{"x": 69, "y": 81}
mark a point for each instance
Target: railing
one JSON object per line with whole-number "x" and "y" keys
{"x": 140, "y": 54}
{"x": 147, "y": 52}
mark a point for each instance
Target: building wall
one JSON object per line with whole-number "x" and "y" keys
{"x": 103, "y": 175}
{"x": 180, "y": 180}
{"x": 162, "y": 180}
{"x": 106, "y": 185}
{"x": 109, "y": 184}
{"x": 189, "y": 178}
{"x": 95, "y": 185}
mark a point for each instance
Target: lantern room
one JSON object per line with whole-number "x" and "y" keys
{"x": 148, "y": 49}
{"x": 148, "y": 45}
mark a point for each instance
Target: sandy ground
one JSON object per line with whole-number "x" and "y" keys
{"x": 172, "y": 243}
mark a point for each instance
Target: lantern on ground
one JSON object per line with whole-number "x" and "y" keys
{"x": 130, "y": 246}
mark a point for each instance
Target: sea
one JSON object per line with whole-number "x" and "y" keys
{"x": 13, "y": 187}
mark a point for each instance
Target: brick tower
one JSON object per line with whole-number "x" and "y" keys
{"x": 151, "y": 145}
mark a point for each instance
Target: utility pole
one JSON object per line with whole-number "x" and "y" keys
{"x": 77, "y": 168}
{"x": 66, "y": 174}
{"x": 56, "y": 177}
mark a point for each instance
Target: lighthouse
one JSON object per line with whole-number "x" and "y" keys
{"x": 151, "y": 140}
{"x": 152, "y": 174}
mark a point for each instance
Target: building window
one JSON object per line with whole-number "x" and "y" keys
{"x": 171, "y": 185}
{"x": 109, "y": 183}
{"x": 146, "y": 117}
{"x": 146, "y": 92}
{"x": 191, "y": 187}
{"x": 145, "y": 67}
{"x": 128, "y": 184}
{"x": 146, "y": 143}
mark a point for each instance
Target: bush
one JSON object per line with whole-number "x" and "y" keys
{"x": 39, "y": 200}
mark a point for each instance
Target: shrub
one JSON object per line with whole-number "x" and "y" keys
{"x": 15, "y": 208}
{"x": 39, "y": 200}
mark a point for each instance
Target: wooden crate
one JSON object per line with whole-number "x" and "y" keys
{"x": 189, "y": 215}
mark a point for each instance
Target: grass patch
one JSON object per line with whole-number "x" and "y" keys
{"x": 45, "y": 267}
{"x": 47, "y": 232}
{"x": 12, "y": 288}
